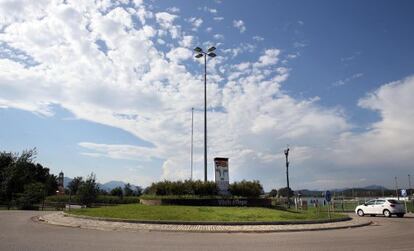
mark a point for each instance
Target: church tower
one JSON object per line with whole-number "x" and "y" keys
{"x": 61, "y": 185}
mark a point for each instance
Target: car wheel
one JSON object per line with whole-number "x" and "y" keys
{"x": 400, "y": 215}
{"x": 387, "y": 213}
{"x": 360, "y": 213}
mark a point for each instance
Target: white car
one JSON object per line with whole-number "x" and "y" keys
{"x": 386, "y": 207}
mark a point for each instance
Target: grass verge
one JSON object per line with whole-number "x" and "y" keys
{"x": 194, "y": 213}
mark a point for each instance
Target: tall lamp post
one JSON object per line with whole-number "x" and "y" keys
{"x": 287, "y": 175}
{"x": 192, "y": 133}
{"x": 201, "y": 53}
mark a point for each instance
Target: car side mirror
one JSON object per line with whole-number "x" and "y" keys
{"x": 365, "y": 204}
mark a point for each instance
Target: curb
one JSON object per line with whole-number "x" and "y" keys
{"x": 268, "y": 231}
{"x": 214, "y": 223}
{"x": 82, "y": 223}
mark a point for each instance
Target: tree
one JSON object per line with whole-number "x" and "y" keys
{"x": 283, "y": 192}
{"x": 33, "y": 193}
{"x": 88, "y": 190}
{"x": 273, "y": 193}
{"x": 117, "y": 191}
{"x": 138, "y": 191}
{"x": 128, "y": 190}
{"x": 19, "y": 170}
{"x": 75, "y": 184}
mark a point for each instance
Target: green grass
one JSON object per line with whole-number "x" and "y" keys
{"x": 194, "y": 213}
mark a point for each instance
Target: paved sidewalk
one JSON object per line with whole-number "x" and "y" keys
{"x": 62, "y": 220}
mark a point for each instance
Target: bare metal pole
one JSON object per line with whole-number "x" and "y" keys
{"x": 192, "y": 133}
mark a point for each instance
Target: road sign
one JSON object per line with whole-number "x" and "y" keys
{"x": 328, "y": 196}
{"x": 403, "y": 193}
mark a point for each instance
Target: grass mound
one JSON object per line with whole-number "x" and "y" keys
{"x": 199, "y": 213}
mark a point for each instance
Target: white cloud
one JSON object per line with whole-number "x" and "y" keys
{"x": 218, "y": 36}
{"x": 179, "y": 54}
{"x": 347, "y": 80}
{"x": 270, "y": 57}
{"x": 195, "y": 22}
{"x": 174, "y": 9}
{"x": 258, "y": 38}
{"x": 218, "y": 19}
{"x": 239, "y": 24}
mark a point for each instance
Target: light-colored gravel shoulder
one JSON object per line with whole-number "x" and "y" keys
{"x": 59, "y": 218}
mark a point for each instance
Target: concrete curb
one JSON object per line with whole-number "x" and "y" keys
{"x": 219, "y": 223}
{"x": 67, "y": 221}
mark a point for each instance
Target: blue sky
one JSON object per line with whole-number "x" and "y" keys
{"x": 107, "y": 87}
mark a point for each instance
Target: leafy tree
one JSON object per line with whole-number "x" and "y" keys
{"x": 283, "y": 192}
{"x": 117, "y": 191}
{"x": 74, "y": 185}
{"x": 19, "y": 170}
{"x": 88, "y": 190}
{"x": 138, "y": 191}
{"x": 273, "y": 193}
{"x": 128, "y": 190}
{"x": 33, "y": 193}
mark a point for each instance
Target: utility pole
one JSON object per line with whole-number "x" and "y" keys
{"x": 192, "y": 133}
{"x": 287, "y": 175}
{"x": 396, "y": 188}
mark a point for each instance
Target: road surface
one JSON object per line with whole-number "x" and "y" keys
{"x": 19, "y": 232}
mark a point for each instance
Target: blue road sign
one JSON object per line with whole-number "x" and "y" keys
{"x": 328, "y": 196}
{"x": 403, "y": 193}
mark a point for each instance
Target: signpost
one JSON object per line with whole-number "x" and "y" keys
{"x": 328, "y": 198}
{"x": 404, "y": 194}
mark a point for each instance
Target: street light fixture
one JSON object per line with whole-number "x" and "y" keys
{"x": 201, "y": 53}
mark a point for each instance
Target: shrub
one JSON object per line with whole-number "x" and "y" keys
{"x": 187, "y": 187}
{"x": 246, "y": 188}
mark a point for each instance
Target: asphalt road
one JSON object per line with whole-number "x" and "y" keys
{"x": 19, "y": 232}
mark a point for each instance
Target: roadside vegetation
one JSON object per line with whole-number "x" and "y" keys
{"x": 201, "y": 213}
{"x": 200, "y": 189}
{"x": 23, "y": 182}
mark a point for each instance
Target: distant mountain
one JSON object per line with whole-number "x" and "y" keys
{"x": 108, "y": 186}
{"x": 375, "y": 187}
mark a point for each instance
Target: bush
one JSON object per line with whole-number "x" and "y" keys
{"x": 187, "y": 187}
{"x": 100, "y": 199}
{"x": 246, "y": 188}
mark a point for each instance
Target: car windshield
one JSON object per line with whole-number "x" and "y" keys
{"x": 394, "y": 202}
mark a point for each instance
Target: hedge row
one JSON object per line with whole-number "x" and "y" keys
{"x": 198, "y": 188}
{"x": 187, "y": 187}
{"x": 101, "y": 199}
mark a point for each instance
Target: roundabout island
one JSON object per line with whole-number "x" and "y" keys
{"x": 139, "y": 217}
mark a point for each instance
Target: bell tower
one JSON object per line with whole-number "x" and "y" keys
{"x": 61, "y": 185}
